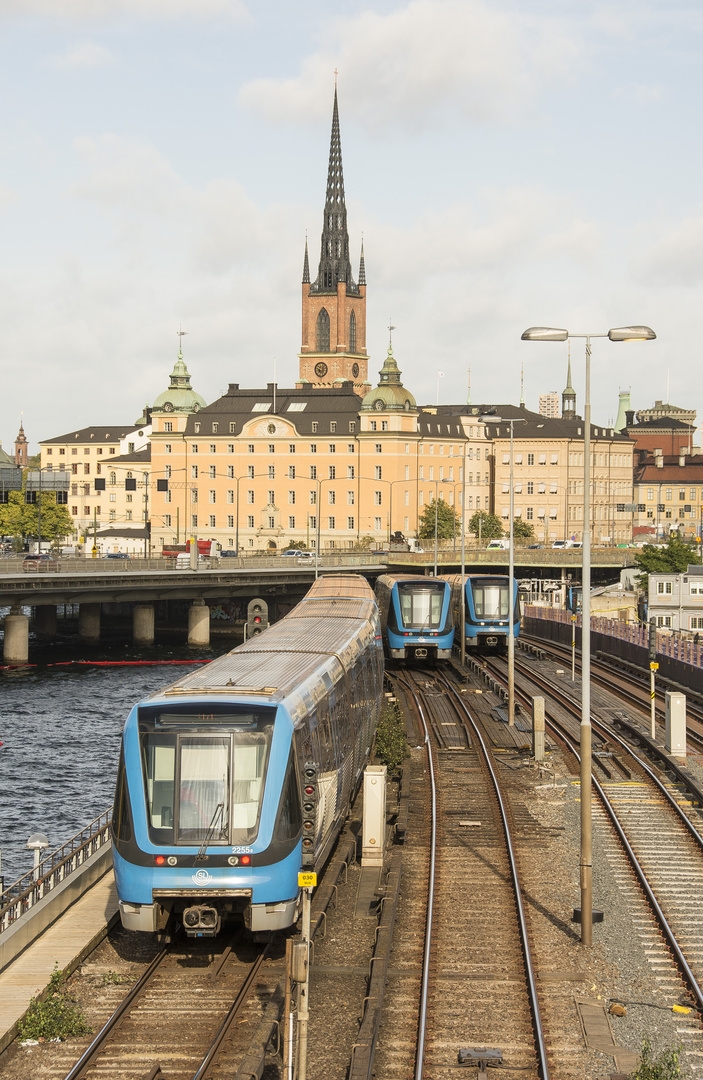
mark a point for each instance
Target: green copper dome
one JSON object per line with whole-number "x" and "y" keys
{"x": 390, "y": 395}
{"x": 180, "y": 396}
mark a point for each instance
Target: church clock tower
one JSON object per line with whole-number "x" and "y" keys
{"x": 334, "y": 305}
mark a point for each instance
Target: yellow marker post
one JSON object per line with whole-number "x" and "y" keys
{"x": 306, "y": 882}
{"x": 654, "y": 666}
{"x": 573, "y": 648}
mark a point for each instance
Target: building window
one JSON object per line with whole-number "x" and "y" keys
{"x": 664, "y": 588}
{"x": 333, "y": 427}
{"x": 250, "y": 472}
{"x": 667, "y": 495}
{"x": 330, "y": 522}
{"x": 212, "y": 521}
{"x": 372, "y": 425}
{"x": 272, "y": 472}
{"x": 291, "y": 522}
{"x": 313, "y": 498}
{"x": 194, "y": 448}
{"x": 313, "y": 448}
{"x": 168, "y": 425}
{"x": 312, "y": 519}
{"x": 350, "y": 523}
{"x": 377, "y": 524}
{"x": 377, "y": 472}
{"x": 86, "y": 468}
{"x": 213, "y": 472}
{"x": 332, "y": 472}
{"x": 696, "y": 622}
{"x": 230, "y": 521}
{"x": 215, "y": 427}
{"x": 213, "y": 495}
{"x": 379, "y": 447}
{"x": 230, "y": 495}
{"x": 322, "y": 332}
{"x": 291, "y": 497}
{"x": 272, "y": 448}
{"x": 112, "y": 515}
{"x": 350, "y": 498}
{"x": 664, "y": 620}
{"x": 377, "y": 498}
{"x": 250, "y": 521}
{"x": 331, "y": 498}
{"x": 167, "y": 521}
{"x": 167, "y": 448}
{"x": 384, "y": 425}
{"x": 291, "y": 448}
{"x": 682, "y": 494}
{"x": 194, "y": 472}
{"x": 530, "y": 513}
{"x": 350, "y": 472}
{"x": 230, "y": 472}
{"x": 232, "y": 427}
{"x": 332, "y": 448}
{"x": 194, "y": 495}
{"x": 196, "y": 428}
{"x": 250, "y": 448}
{"x": 313, "y": 472}
{"x": 272, "y": 497}
{"x": 113, "y": 497}
{"x": 250, "y": 497}
{"x": 291, "y": 472}
{"x": 193, "y": 521}
{"x": 128, "y": 515}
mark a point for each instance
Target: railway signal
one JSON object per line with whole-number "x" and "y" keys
{"x": 257, "y": 617}
{"x": 310, "y": 799}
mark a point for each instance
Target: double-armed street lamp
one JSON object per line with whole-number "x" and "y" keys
{"x": 622, "y": 333}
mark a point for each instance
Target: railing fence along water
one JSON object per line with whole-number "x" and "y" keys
{"x": 684, "y": 649}
{"x": 28, "y": 890}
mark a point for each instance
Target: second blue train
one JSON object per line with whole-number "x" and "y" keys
{"x": 489, "y": 613}
{"x": 416, "y": 617}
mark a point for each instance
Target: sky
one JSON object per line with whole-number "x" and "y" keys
{"x": 532, "y": 163}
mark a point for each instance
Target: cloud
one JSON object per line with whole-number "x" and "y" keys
{"x": 85, "y": 54}
{"x": 403, "y": 67}
{"x": 7, "y": 195}
{"x": 675, "y": 257}
{"x": 102, "y": 10}
{"x": 638, "y": 94}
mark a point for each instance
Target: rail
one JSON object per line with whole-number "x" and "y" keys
{"x": 685, "y": 650}
{"x": 53, "y": 869}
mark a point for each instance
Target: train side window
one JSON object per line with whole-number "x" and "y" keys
{"x": 121, "y": 817}
{"x": 289, "y": 820}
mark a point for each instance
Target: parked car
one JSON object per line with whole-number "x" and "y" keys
{"x": 534, "y": 547}
{"x": 116, "y": 555}
{"x": 35, "y": 563}
{"x": 298, "y": 554}
{"x": 229, "y": 554}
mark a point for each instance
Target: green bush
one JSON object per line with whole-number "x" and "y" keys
{"x": 664, "y": 1067}
{"x": 391, "y": 742}
{"x": 56, "y": 1016}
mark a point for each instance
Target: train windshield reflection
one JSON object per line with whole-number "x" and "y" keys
{"x": 490, "y": 600}
{"x": 421, "y": 606}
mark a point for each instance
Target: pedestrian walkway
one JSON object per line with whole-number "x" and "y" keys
{"x": 66, "y": 942}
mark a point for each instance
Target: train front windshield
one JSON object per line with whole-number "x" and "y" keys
{"x": 421, "y": 606}
{"x": 204, "y": 784}
{"x": 491, "y": 600}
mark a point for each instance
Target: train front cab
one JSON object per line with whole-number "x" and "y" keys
{"x": 207, "y": 822}
{"x": 487, "y": 616}
{"x": 419, "y": 624}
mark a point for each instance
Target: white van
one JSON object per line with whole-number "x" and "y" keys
{"x": 498, "y": 545}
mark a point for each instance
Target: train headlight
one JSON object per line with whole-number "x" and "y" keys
{"x": 172, "y": 860}
{"x": 233, "y": 860}
{"x": 191, "y": 917}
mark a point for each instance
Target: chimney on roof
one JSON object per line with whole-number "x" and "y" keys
{"x": 682, "y": 460}
{"x": 629, "y": 418}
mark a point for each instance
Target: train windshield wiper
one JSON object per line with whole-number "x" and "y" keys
{"x": 218, "y": 812}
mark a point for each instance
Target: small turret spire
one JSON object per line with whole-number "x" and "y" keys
{"x": 306, "y": 264}
{"x": 362, "y": 265}
{"x": 568, "y": 397}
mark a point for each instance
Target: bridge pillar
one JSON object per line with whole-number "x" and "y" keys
{"x": 143, "y": 624}
{"x": 89, "y": 622}
{"x": 198, "y": 623}
{"x": 16, "y": 646}
{"x": 45, "y": 622}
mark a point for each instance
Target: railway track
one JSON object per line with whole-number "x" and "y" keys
{"x": 192, "y": 1015}
{"x": 477, "y": 989}
{"x": 651, "y": 821}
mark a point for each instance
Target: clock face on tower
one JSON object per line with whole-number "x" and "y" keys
{"x": 320, "y": 370}
{"x": 355, "y": 371}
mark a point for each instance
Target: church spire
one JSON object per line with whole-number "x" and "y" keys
{"x": 334, "y": 249}
{"x": 568, "y": 397}
{"x": 362, "y": 265}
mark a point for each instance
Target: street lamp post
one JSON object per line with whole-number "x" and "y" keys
{"x": 624, "y": 333}
{"x": 463, "y": 561}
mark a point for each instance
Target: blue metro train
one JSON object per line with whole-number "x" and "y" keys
{"x": 487, "y": 610}
{"x": 237, "y": 775}
{"x": 415, "y": 617}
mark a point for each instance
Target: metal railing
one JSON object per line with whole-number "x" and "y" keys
{"x": 677, "y": 646}
{"x": 28, "y": 890}
{"x": 135, "y": 564}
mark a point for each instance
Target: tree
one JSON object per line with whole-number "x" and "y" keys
{"x": 523, "y": 530}
{"x": 448, "y": 524}
{"x": 20, "y": 519}
{"x": 488, "y": 525}
{"x": 675, "y": 558}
